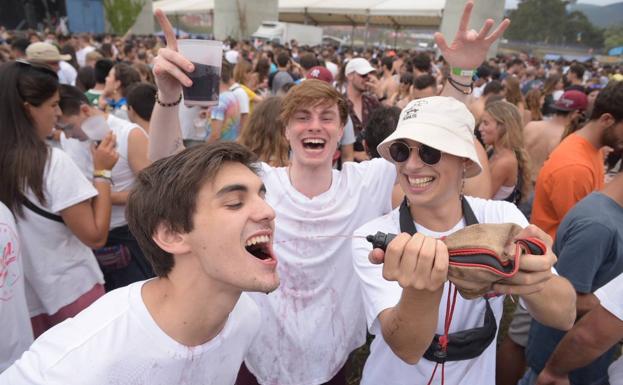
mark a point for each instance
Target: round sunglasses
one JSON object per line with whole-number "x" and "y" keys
{"x": 400, "y": 152}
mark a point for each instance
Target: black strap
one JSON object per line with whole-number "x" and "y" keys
{"x": 39, "y": 211}
{"x": 464, "y": 344}
{"x": 406, "y": 221}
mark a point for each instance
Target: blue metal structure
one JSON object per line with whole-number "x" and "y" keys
{"x": 85, "y": 16}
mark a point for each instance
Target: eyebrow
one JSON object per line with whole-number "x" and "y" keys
{"x": 237, "y": 188}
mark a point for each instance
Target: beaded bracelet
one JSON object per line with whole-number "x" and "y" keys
{"x": 168, "y": 104}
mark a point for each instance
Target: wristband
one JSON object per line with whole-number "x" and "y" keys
{"x": 462, "y": 72}
{"x": 102, "y": 178}
{"x": 168, "y": 104}
{"x": 102, "y": 173}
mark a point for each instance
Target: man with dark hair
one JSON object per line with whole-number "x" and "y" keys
{"x": 225, "y": 118}
{"x": 575, "y": 77}
{"x": 203, "y": 222}
{"x": 576, "y": 167}
{"x": 18, "y": 48}
{"x": 381, "y": 124}
{"x": 424, "y": 86}
{"x": 387, "y": 85}
{"x": 141, "y": 100}
{"x": 308, "y": 61}
{"x": 121, "y": 259}
{"x": 282, "y": 76}
{"x": 421, "y": 64}
{"x": 102, "y": 68}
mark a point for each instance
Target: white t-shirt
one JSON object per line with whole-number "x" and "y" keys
{"x": 116, "y": 341}
{"x": 315, "y": 318}
{"x": 611, "y": 298}
{"x": 383, "y": 366}
{"x": 241, "y": 95}
{"x": 58, "y": 267}
{"x": 67, "y": 74}
{"x": 81, "y": 55}
{"x": 16, "y": 332}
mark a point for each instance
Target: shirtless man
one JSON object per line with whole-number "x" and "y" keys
{"x": 541, "y": 137}
{"x": 387, "y": 84}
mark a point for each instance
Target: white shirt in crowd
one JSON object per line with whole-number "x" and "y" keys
{"x": 16, "y": 332}
{"x": 81, "y": 55}
{"x": 67, "y": 74}
{"x": 383, "y": 366}
{"x": 315, "y": 318}
{"x": 116, "y": 341}
{"x": 241, "y": 96}
{"x": 58, "y": 267}
{"x": 611, "y": 298}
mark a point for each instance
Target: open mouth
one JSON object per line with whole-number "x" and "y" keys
{"x": 259, "y": 247}
{"x": 314, "y": 144}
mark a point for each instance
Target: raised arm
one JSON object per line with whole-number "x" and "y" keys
{"x": 165, "y": 136}
{"x": 468, "y": 50}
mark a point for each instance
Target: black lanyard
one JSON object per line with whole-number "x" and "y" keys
{"x": 406, "y": 220}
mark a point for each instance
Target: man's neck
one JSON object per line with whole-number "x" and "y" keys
{"x": 439, "y": 218}
{"x": 181, "y": 307}
{"x": 144, "y": 124}
{"x": 99, "y": 86}
{"x": 387, "y": 74}
{"x": 614, "y": 189}
{"x": 353, "y": 94}
{"x": 592, "y": 132}
{"x": 310, "y": 181}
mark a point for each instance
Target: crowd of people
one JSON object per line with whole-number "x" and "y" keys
{"x": 146, "y": 241}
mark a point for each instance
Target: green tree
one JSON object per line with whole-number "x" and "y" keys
{"x": 122, "y": 14}
{"x": 613, "y": 37}
{"x": 547, "y": 21}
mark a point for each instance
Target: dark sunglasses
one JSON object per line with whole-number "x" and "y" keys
{"x": 400, "y": 152}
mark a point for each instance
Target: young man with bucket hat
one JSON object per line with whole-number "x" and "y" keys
{"x": 408, "y": 299}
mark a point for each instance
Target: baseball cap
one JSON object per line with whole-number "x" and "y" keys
{"x": 359, "y": 65}
{"x": 571, "y": 100}
{"x": 45, "y": 52}
{"x": 439, "y": 122}
{"x": 320, "y": 73}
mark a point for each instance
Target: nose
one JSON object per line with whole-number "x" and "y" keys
{"x": 414, "y": 162}
{"x": 264, "y": 212}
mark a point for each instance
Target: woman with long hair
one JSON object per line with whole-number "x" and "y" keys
{"x": 501, "y": 130}
{"x": 248, "y": 80}
{"x": 512, "y": 94}
{"x": 553, "y": 89}
{"x": 534, "y": 102}
{"x": 264, "y": 133}
{"x": 118, "y": 81}
{"x": 60, "y": 214}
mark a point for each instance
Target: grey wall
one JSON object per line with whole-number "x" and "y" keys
{"x": 483, "y": 10}
{"x": 240, "y": 18}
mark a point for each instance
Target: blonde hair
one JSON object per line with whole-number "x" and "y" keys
{"x": 264, "y": 133}
{"x": 241, "y": 69}
{"x": 513, "y": 92}
{"x": 510, "y": 124}
{"x": 533, "y": 104}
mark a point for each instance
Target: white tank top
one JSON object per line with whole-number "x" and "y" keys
{"x": 122, "y": 175}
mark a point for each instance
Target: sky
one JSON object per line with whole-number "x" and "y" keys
{"x": 513, "y": 3}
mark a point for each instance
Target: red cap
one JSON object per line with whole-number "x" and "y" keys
{"x": 571, "y": 100}
{"x": 320, "y": 73}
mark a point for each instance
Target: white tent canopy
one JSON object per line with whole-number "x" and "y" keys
{"x": 395, "y": 13}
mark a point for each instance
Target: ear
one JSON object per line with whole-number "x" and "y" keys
{"x": 85, "y": 109}
{"x": 606, "y": 120}
{"x": 170, "y": 240}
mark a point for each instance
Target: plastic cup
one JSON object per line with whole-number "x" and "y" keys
{"x": 206, "y": 56}
{"x": 95, "y": 128}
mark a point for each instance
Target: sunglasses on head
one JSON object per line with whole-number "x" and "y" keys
{"x": 400, "y": 151}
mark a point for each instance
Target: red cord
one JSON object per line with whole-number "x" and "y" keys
{"x": 443, "y": 340}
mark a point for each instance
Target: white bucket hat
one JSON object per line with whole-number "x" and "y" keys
{"x": 439, "y": 122}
